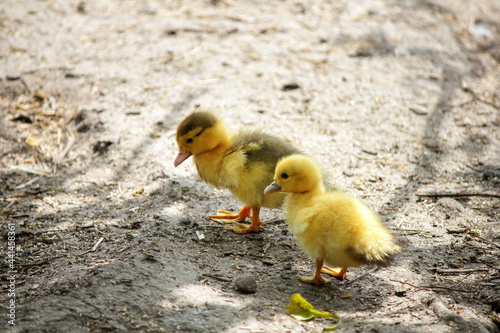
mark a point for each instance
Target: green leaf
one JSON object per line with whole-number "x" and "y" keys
{"x": 303, "y": 310}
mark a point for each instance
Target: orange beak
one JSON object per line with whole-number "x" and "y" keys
{"x": 181, "y": 157}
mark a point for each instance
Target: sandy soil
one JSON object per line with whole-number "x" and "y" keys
{"x": 398, "y": 100}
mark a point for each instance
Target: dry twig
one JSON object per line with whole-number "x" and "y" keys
{"x": 486, "y": 240}
{"x": 94, "y": 247}
{"x": 65, "y": 151}
{"x": 468, "y": 89}
{"x": 433, "y": 287}
{"x": 361, "y": 276}
{"x": 456, "y": 195}
{"x": 460, "y": 271}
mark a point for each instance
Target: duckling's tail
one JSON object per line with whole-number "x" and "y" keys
{"x": 379, "y": 248}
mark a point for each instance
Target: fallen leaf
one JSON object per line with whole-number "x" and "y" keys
{"x": 346, "y": 295}
{"x": 303, "y": 310}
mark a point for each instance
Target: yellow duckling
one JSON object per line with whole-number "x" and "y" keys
{"x": 331, "y": 226}
{"x": 243, "y": 162}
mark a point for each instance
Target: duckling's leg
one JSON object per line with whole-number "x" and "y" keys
{"x": 226, "y": 217}
{"x": 338, "y": 274}
{"x": 316, "y": 279}
{"x": 253, "y": 227}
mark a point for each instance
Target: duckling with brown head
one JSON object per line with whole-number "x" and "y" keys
{"x": 330, "y": 226}
{"x": 243, "y": 162}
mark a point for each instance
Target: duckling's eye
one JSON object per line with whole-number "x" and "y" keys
{"x": 190, "y": 140}
{"x": 284, "y": 175}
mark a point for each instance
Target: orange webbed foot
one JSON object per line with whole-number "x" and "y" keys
{"x": 226, "y": 217}
{"x": 239, "y": 228}
{"x": 317, "y": 279}
{"x": 338, "y": 274}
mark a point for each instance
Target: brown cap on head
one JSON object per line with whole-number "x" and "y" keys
{"x": 203, "y": 119}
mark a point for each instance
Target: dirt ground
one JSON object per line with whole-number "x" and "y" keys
{"x": 398, "y": 100}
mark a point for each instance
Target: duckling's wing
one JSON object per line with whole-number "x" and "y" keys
{"x": 255, "y": 155}
{"x": 267, "y": 148}
{"x": 262, "y": 147}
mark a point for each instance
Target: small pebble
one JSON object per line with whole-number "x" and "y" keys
{"x": 245, "y": 284}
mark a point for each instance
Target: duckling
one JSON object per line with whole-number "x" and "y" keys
{"x": 331, "y": 226}
{"x": 243, "y": 162}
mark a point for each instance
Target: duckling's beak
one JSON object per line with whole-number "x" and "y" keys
{"x": 272, "y": 188}
{"x": 181, "y": 157}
